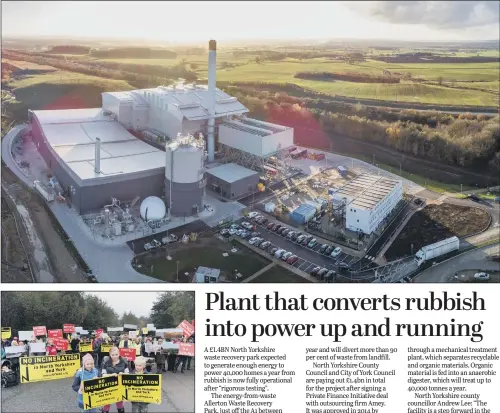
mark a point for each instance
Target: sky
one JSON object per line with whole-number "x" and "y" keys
{"x": 139, "y": 303}
{"x": 237, "y": 20}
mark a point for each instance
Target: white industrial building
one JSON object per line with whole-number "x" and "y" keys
{"x": 368, "y": 200}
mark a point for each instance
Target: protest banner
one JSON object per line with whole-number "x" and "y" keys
{"x": 98, "y": 332}
{"x": 25, "y": 335}
{"x": 186, "y": 349}
{"x": 42, "y": 368}
{"x": 60, "y": 343}
{"x": 39, "y": 331}
{"x": 128, "y": 353}
{"x": 192, "y": 322}
{"x": 85, "y": 347}
{"x": 102, "y": 391}
{"x": 141, "y": 388}
{"x": 170, "y": 333}
{"x": 106, "y": 347}
{"x": 132, "y": 334}
{"x": 145, "y": 331}
{"x": 148, "y": 347}
{"x": 6, "y": 333}
{"x": 187, "y": 328}
{"x": 15, "y": 350}
{"x": 55, "y": 333}
{"x": 151, "y": 327}
{"x": 37, "y": 348}
{"x": 167, "y": 345}
{"x": 69, "y": 328}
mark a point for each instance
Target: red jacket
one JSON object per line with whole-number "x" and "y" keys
{"x": 51, "y": 350}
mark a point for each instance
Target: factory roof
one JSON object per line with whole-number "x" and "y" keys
{"x": 231, "y": 172}
{"x": 366, "y": 191}
{"x": 254, "y": 127}
{"x": 206, "y": 271}
{"x": 72, "y": 135}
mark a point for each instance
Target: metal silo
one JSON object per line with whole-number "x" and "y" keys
{"x": 184, "y": 175}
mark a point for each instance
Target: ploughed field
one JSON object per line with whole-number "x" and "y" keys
{"x": 435, "y": 223}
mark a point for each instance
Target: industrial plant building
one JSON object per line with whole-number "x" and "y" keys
{"x": 232, "y": 181}
{"x": 368, "y": 200}
{"x": 102, "y": 153}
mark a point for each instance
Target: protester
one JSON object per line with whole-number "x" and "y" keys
{"x": 87, "y": 372}
{"x": 124, "y": 342}
{"x": 160, "y": 356}
{"x": 74, "y": 343}
{"x": 97, "y": 349}
{"x": 113, "y": 366}
{"x": 140, "y": 365}
{"x": 50, "y": 348}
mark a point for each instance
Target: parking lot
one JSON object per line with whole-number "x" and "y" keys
{"x": 308, "y": 258}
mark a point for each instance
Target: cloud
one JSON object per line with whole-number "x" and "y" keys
{"x": 434, "y": 14}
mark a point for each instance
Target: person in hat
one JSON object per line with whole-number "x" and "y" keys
{"x": 86, "y": 372}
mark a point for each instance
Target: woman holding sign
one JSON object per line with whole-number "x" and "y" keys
{"x": 115, "y": 365}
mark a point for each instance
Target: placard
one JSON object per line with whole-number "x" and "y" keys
{"x": 142, "y": 388}
{"x": 101, "y": 392}
{"x": 39, "y": 331}
{"x": 186, "y": 349}
{"x": 25, "y": 335}
{"x": 167, "y": 345}
{"x": 69, "y": 328}
{"x": 192, "y": 322}
{"x": 15, "y": 350}
{"x": 187, "y": 328}
{"x": 37, "y": 348}
{"x": 128, "y": 353}
{"x": 85, "y": 347}
{"x": 98, "y": 332}
{"x": 145, "y": 331}
{"x": 55, "y": 333}
{"x": 60, "y": 343}
{"x": 148, "y": 347}
{"x": 43, "y": 368}
{"x": 106, "y": 347}
{"x": 6, "y": 333}
{"x": 132, "y": 334}
{"x": 151, "y": 327}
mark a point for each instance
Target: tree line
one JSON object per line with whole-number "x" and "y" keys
{"x": 23, "y": 310}
{"x": 348, "y": 77}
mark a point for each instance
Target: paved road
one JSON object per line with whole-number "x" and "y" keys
{"x": 57, "y": 396}
{"x": 476, "y": 259}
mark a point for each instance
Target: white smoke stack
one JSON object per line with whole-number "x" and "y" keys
{"x": 97, "y": 163}
{"x": 212, "y": 51}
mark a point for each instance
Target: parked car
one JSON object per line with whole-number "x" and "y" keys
{"x": 312, "y": 243}
{"x": 270, "y": 225}
{"x": 258, "y": 241}
{"x": 245, "y": 234}
{"x": 252, "y": 214}
{"x": 296, "y": 236}
{"x": 300, "y": 239}
{"x": 264, "y": 245}
{"x": 292, "y": 259}
{"x": 307, "y": 239}
{"x": 482, "y": 276}
{"x": 277, "y": 227}
{"x": 336, "y": 252}
{"x": 290, "y": 234}
{"x": 285, "y": 232}
{"x": 235, "y": 226}
{"x": 225, "y": 232}
{"x": 323, "y": 248}
{"x": 247, "y": 225}
{"x": 343, "y": 268}
{"x": 329, "y": 250}
{"x": 473, "y": 197}
{"x": 286, "y": 255}
{"x": 279, "y": 253}
{"x": 170, "y": 239}
{"x": 273, "y": 250}
{"x": 255, "y": 234}
{"x": 315, "y": 271}
{"x": 239, "y": 232}
{"x": 148, "y": 246}
{"x": 232, "y": 231}
{"x": 263, "y": 221}
{"x": 329, "y": 276}
{"x": 252, "y": 240}
{"x": 321, "y": 273}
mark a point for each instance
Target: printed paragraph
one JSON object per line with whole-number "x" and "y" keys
{"x": 347, "y": 379}
{"x": 451, "y": 380}
{"x": 241, "y": 379}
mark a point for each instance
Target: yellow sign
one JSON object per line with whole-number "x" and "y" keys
{"x": 106, "y": 347}
{"x": 145, "y": 331}
{"x": 102, "y": 391}
{"x": 42, "y": 368}
{"x": 143, "y": 388}
{"x": 85, "y": 347}
{"x": 6, "y": 333}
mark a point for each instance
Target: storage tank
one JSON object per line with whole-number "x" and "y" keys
{"x": 184, "y": 175}
{"x": 152, "y": 208}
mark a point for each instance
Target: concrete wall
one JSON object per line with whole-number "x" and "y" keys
{"x": 232, "y": 190}
{"x": 184, "y": 198}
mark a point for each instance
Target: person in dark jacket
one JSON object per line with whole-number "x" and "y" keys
{"x": 87, "y": 372}
{"x": 113, "y": 366}
{"x": 74, "y": 344}
{"x": 160, "y": 357}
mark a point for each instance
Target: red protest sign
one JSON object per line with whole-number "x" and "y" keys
{"x": 98, "y": 332}
{"x": 128, "y": 353}
{"x": 186, "y": 349}
{"x": 55, "y": 333}
{"x": 69, "y": 328}
{"x": 187, "y": 328}
{"x": 60, "y": 343}
{"x": 192, "y": 322}
{"x": 39, "y": 331}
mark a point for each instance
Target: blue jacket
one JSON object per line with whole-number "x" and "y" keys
{"x": 80, "y": 376}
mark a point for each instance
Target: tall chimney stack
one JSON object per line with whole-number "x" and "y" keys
{"x": 212, "y": 51}
{"x": 97, "y": 166}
